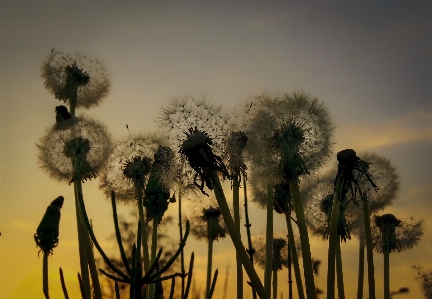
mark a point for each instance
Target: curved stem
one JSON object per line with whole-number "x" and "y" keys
{"x": 235, "y": 237}
{"x": 304, "y": 239}
{"x": 269, "y": 240}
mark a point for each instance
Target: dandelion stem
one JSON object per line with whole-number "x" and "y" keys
{"x": 235, "y": 237}
{"x": 304, "y": 239}
{"x": 182, "y": 268}
{"x": 361, "y": 268}
{"x": 369, "y": 252}
{"x": 386, "y": 253}
{"x": 139, "y": 196}
{"x": 275, "y": 282}
{"x": 333, "y": 239}
{"x": 209, "y": 262}
{"x": 340, "y": 282}
{"x": 236, "y": 209}
{"x": 45, "y": 274}
{"x": 294, "y": 258}
{"x": 153, "y": 252}
{"x": 269, "y": 240}
{"x": 248, "y": 225}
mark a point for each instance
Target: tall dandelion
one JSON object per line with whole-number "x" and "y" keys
{"x": 75, "y": 151}
{"x": 290, "y": 135}
{"x": 390, "y": 235}
{"x": 198, "y": 128}
{"x": 75, "y": 78}
{"x": 127, "y": 172}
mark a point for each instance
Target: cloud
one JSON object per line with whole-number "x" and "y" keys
{"x": 413, "y": 128}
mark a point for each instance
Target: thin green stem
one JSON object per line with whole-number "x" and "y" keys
{"x": 182, "y": 267}
{"x": 139, "y": 196}
{"x": 290, "y": 281}
{"x": 294, "y": 258}
{"x": 209, "y": 263}
{"x": 269, "y": 240}
{"x": 361, "y": 269}
{"x": 85, "y": 276}
{"x": 304, "y": 239}
{"x": 236, "y": 209}
{"x": 248, "y": 225}
{"x": 275, "y": 282}
{"x": 386, "y": 253}
{"x": 340, "y": 282}
{"x": 153, "y": 252}
{"x": 369, "y": 250}
{"x": 235, "y": 237}
{"x": 97, "y": 291}
{"x": 45, "y": 274}
{"x": 333, "y": 240}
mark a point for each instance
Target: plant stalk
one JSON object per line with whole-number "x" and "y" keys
{"x": 369, "y": 250}
{"x": 340, "y": 282}
{"x": 45, "y": 274}
{"x": 361, "y": 269}
{"x": 294, "y": 258}
{"x": 236, "y": 209}
{"x": 269, "y": 240}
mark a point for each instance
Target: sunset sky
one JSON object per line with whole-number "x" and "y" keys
{"x": 369, "y": 61}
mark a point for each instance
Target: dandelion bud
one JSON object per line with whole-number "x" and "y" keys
{"x": 47, "y": 232}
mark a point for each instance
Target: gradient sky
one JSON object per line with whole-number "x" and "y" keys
{"x": 369, "y": 61}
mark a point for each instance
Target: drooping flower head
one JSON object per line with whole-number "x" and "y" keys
{"x": 207, "y": 222}
{"x": 391, "y": 234}
{"x": 290, "y": 134}
{"x": 47, "y": 233}
{"x": 129, "y": 165}
{"x": 69, "y": 75}
{"x": 75, "y": 149}
{"x": 198, "y": 129}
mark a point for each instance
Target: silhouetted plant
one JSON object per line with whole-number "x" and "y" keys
{"x": 46, "y": 237}
{"x": 425, "y": 278}
{"x": 390, "y": 235}
{"x": 75, "y": 78}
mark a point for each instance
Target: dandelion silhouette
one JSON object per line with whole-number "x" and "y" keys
{"x": 75, "y": 150}
{"x": 129, "y": 165}
{"x": 46, "y": 236}
{"x": 390, "y": 235}
{"x": 70, "y": 76}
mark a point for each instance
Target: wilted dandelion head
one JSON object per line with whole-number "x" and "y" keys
{"x": 129, "y": 165}
{"x": 318, "y": 197}
{"x": 66, "y": 74}
{"x": 391, "y": 234}
{"x": 74, "y": 151}
{"x": 207, "y": 222}
{"x": 291, "y": 133}
{"x": 197, "y": 129}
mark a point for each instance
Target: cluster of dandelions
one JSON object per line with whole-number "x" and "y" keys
{"x": 66, "y": 74}
{"x": 74, "y": 152}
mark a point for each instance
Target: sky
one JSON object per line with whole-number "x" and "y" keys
{"x": 369, "y": 61}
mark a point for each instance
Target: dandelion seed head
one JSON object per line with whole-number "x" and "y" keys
{"x": 280, "y": 252}
{"x": 65, "y": 74}
{"x": 206, "y": 221}
{"x": 295, "y": 123}
{"x": 391, "y": 234}
{"x": 77, "y": 151}
{"x": 130, "y": 163}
